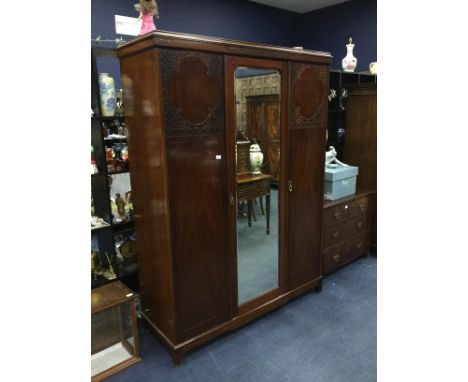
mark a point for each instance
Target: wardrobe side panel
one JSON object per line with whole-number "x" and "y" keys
{"x": 147, "y": 154}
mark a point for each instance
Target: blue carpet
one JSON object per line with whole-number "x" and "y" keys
{"x": 321, "y": 337}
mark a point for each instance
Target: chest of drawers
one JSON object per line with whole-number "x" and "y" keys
{"x": 345, "y": 230}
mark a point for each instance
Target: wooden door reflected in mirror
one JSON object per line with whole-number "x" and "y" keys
{"x": 257, "y": 113}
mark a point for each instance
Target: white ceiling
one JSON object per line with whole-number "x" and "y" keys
{"x": 299, "y": 6}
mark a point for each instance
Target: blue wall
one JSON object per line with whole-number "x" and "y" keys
{"x": 329, "y": 29}
{"x": 233, "y": 19}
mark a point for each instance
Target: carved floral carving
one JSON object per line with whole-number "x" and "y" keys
{"x": 308, "y": 103}
{"x": 192, "y": 90}
{"x": 193, "y": 96}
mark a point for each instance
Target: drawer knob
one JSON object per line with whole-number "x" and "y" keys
{"x": 336, "y": 234}
{"x": 359, "y": 224}
{"x": 337, "y": 214}
{"x": 359, "y": 245}
{"x": 336, "y": 258}
{"x": 362, "y": 207}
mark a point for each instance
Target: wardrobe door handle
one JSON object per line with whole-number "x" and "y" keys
{"x": 290, "y": 186}
{"x": 336, "y": 258}
{"x": 232, "y": 200}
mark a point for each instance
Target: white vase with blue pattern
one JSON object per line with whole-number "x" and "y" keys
{"x": 107, "y": 93}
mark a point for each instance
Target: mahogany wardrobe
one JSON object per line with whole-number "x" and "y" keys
{"x": 221, "y": 244}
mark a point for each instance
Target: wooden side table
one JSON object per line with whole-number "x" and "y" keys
{"x": 250, "y": 187}
{"x": 114, "y": 336}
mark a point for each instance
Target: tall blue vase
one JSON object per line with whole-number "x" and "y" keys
{"x": 107, "y": 94}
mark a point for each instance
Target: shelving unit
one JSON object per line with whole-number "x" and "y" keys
{"x": 339, "y": 81}
{"x": 105, "y": 238}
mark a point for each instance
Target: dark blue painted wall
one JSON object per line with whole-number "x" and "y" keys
{"x": 233, "y": 19}
{"x": 329, "y": 29}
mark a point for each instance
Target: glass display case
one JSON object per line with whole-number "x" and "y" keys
{"x": 114, "y": 337}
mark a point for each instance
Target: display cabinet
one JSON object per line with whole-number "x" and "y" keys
{"x": 114, "y": 336}
{"x": 113, "y": 250}
{"x": 339, "y": 86}
{"x": 360, "y": 148}
{"x": 205, "y": 269}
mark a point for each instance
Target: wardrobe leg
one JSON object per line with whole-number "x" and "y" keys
{"x": 177, "y": 356}
{"x": 318, "y": 288}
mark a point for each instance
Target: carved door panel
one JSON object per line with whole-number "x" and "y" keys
{"x": 193, "y": 96}
{"x": 307, "y": 126}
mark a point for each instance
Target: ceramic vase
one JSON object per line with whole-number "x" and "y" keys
{"x": 256, "y": 159}
{"x": 107, "y": 94}
{"x": 349, "y": 63}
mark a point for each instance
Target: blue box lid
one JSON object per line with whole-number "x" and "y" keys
{"x": 340, "y": 172}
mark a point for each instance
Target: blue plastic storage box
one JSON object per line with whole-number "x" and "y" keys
{"x": 340, "y": 182}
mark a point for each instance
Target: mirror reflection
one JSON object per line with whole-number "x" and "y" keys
{"x": 257, "y": 98}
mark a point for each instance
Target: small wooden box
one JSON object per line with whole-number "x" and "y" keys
{"x": 114, "y": 336}
{"x": 243, "y": 157}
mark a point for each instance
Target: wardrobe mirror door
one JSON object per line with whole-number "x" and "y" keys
{"x": 257, "y": 114}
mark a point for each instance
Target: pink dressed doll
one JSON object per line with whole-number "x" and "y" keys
{"x": 148, "y": 9}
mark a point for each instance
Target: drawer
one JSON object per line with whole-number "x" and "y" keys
{"x": 252, "y": 190}
{"x": 335, "y": 214}
{"x": 334, "y": 257}
{"x": 357, "y": 246}
{"x": 356, "y": 225}
{"x": 358, "y": 207}
{"x": 341, "y": 231}
{"x": 335, "y": 235}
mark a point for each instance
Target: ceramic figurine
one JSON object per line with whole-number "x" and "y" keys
{"x": 109, "y": 273}
{"x": 96, "y": 221}
{"x": 124, "y": 153}
{"x": 120, "y": 203}
{"x": 341, "y": 133}
{"x": 119, "y": 106}
{"x": 349, "y": 63}
{"x": 330, "y": 159}
{"x": 148, "y": 9}
{"x": 95, "y": 263}
{"x": 256, "y": 158}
